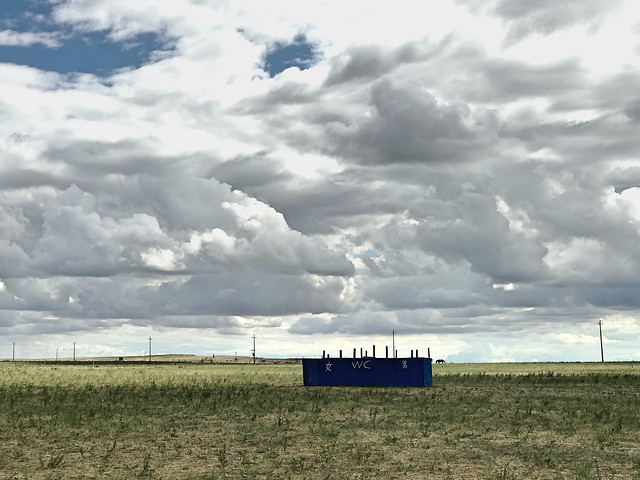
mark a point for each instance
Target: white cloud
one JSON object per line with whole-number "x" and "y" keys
{"x": 11, "y": 38}
{"x": 161, "y": 259}
{"x": 572, "y": 338}
{"x": 620, "y": 325}
{"x": 489, "y": 163}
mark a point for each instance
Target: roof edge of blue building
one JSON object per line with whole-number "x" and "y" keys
{"x": 366, "y": 370}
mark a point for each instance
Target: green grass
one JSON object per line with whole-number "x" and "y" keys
{"x": 486, "y": 421}
{"x": 587, "y": 368}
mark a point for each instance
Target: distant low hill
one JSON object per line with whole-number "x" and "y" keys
{"x": 165, "y": 358}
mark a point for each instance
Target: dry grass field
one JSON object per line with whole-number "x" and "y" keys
{"x": 219, "y": 421}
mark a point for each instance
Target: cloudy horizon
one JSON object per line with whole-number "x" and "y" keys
{"x": 319, "y": 176}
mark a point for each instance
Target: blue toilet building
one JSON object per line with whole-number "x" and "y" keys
{"x": 368, "y": 371}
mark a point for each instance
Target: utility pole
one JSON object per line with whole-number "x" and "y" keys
{"x": 393, "y": 344}
{"x": 601, "y": 349}
{"x": 74, "y": 351}
{"x": 253, "y": 352}
{"x": 150, "y": 347}
{"x": 56, "y": 354}
{"x": 13, "y": 357}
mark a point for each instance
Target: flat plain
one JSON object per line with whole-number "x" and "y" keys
{"x": 199, "y": 421}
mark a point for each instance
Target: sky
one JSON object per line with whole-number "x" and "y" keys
{"x": 465, "y": 174}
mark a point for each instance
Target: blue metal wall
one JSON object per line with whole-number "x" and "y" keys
{"x": 368, "y": 371}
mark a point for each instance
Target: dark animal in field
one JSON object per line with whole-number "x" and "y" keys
{"x": 440, "y": 360}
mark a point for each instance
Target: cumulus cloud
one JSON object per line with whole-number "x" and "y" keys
{"x": 408, "y": 124}
{"x": 453, "y": 178}
{"x": 373, "y": 61}
{"x": 544, "y": 17}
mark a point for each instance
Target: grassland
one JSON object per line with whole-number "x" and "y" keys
{"x": 497, "y": 422}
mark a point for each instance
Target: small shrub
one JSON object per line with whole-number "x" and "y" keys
{"x": 503, "y": 473}
{"x": 586, "y": 471}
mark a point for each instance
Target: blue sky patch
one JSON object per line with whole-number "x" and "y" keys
{"x": 21, "y": 15}
{"x": 300, "y": 53}
{"x": 88, "y": 53}
{"x": 368, "y": 253}
{"x": 92, "y": 52}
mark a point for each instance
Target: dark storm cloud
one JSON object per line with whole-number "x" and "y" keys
{"x": 249, "y": 293}
{"x": 426, "y": 291}
{"x": 408, "y": 124}
{"x": 479, "y": 235}
{"x": 486, "y": 311}
{"x": 34, "y": 323}
{"x": 411, "y": 321}
{"x": 339, "y": 201}
{"x": 250, "y": 172}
